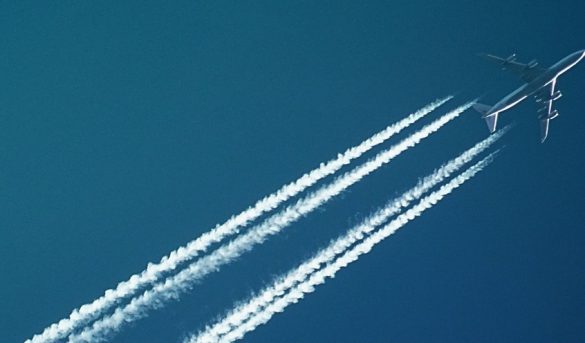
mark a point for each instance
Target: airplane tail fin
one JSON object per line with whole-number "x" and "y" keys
{"x": 491, "y": 120}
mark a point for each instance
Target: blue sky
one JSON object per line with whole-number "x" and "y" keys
{"x": 129, "y": 129}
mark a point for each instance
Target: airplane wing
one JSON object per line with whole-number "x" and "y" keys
{"x": 545, "y": 97}
{"x": 527, "y": 72}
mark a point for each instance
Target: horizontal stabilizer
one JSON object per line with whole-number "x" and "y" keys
{"x": 491, "y": 119}
{"x": 492, "y": 122}
{"x": 481, "y": 108}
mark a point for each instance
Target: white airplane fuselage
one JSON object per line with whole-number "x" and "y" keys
{"x": 528, "y": 89}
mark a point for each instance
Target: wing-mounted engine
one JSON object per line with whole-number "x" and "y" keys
{"x": 553, "y": 114}
{"x": 510, "y": 59}
{"x": 507, "y": 61}
{"x": 549, "y": 116}
{"x": 553, "y": 97}
{"x": 532, "y": 64}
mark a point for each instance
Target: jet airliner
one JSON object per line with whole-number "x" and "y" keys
{"x": 539, "y": 82}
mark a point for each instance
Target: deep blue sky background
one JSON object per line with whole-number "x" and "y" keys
{"x": 129, "y": 129}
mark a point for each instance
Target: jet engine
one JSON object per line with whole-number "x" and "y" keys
{"x": 510, "y": 59}
{"x": 553, "y": 114}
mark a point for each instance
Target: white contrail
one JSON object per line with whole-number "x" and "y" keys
{"x": 329, "y": 271}
{"x": 252, "y": 307}
{"x": 173, "y": 286}
{"x": 153, "y": 272}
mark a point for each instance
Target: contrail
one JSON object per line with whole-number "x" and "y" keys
{"x": 329, "y": 271}
{"x": 88, "y": 312}
{"x": 173, "y": 286}
{"x": 256, "y": 304}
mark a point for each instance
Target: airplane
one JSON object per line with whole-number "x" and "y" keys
{"x": 539, "y": 82}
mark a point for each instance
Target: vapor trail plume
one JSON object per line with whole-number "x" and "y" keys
{"x": 88, "y": 312}
{"x": 319, "y": 277}
{"x": 255, "y": 305}
{"x": 173, "y": 286}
